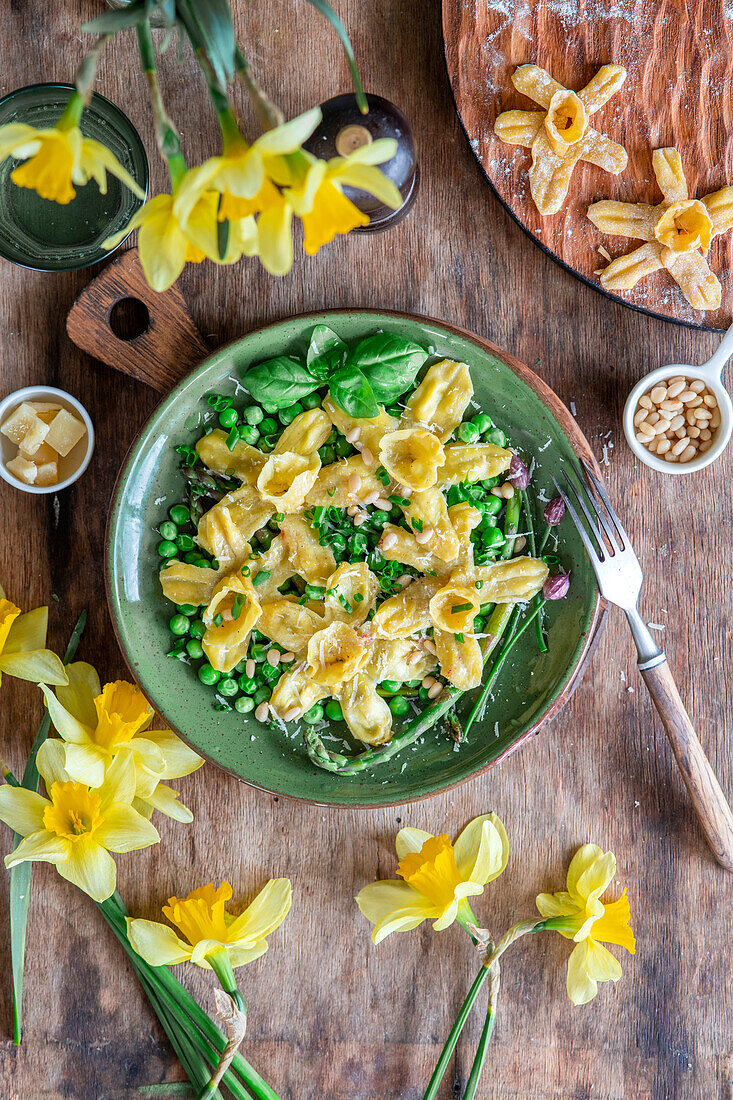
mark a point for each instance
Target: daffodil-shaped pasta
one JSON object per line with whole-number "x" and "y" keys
{"x": 406, "y": 613}
{"x": 335, "y": 654}
{"x": 185, "y": 583}
{"x": 441, "y": 399}
{"x": 427, "y": 514}
{"x": 305, "y": 434}
{"x": 560, "y": 135}
{"x": 412, "y": 456}
{"x": 225, "y": 530}
{"x": 365, "y": 712}
{"x": 295, "y": 693}
{"x": 454, "y": 607}
{"x": 371, "y": 429}
{"x": 460, "y": 658}
{"x": 313, "y": 562}
{"x": 438, "y": 877}
{"x": 332, "y": 486}
{"x": 289, "y": 624}
{"x": 678, "y": 231}
{"x": 351, "y": 593}
{"x": 242, "y": 461}
{"x": 388, "y": 660}
{"x": 286, "y": 478}
{"x": 232, "y": 613}
{"x": 511, "y": 581}
{"x": 472, "y": 462}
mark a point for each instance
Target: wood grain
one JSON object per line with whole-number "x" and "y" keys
{"x": 679, "y": 60}
{"x": 331, "y": 1017}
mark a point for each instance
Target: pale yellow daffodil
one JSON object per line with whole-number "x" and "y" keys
{"x": 590, "y": 873}
{"x": 208, "y": 929}
{"x": 23, "y": 652}
{"x": 438, "y": 877}
{"x": 56, "y": 158}
{"x": 77, "y": 826}
{"x": 98, "y": 724}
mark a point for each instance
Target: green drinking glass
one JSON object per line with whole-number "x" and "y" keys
{"x": 45, "y": 235}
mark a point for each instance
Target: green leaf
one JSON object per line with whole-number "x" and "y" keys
{"x": 110, "y": 22}
{"x": 351, "y": 391}
{"x": 325, "y": 9}
{"x": 209, "y": 26}
{"x": 389, "y": 362}
{"x": 280, "y": 381}
{"x": 323, "y": 339}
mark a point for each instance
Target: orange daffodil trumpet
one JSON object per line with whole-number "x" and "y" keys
{"x": 438, "y": 876}
{"x": 590, "y": 920}
{"x": 77, "y": 826}
{"x": 98, "y": 724}
{"x": 23, "y": 652}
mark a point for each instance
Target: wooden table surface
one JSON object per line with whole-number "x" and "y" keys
{"x": 330, "y": 1016}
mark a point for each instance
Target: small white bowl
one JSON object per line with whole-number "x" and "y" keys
{"x": 710, "y": 373}
{"x": 73, "y": 464}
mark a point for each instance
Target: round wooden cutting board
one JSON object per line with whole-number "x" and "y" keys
{"x": 679, "y": 58}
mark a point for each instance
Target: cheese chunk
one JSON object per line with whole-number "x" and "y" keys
{"x": 64, "y": 432}
{"x": 47, "y": 473}
{"x": 34, "y": 438}
{"x": 19, "y": 423}
{"x": 23, "y": 469}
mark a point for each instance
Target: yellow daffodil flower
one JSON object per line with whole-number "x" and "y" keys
{"x": 97, "y": 724}
{"x": 589, "y": 875}
{"x": 77, "y": 826}
{"x": 438, "y": 877}
{"x": 55, "y": 159}
{"x": 209, "y": 930}
{"x": 23, "y": 650}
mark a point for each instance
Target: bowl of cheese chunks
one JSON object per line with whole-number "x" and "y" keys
{"x": 46, "y": 439}
{"x": 334, "y": 563}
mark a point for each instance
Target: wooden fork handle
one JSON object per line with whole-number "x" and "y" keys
{"x": 708, "y": 799}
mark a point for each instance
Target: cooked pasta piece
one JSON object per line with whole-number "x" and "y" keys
{"x": 511, "y": 581}
{"x": 288, "y": 623}
{"x": 389, "y": 660}
{"x": 229, "y": 618}
{"x": 366, "y": 713}
{"x": 275, "y": 563}
{"x": 412, "y": 456}
{"x": 313, "y": 562}
{"x": 305, "y": 434}
{"x": 184, "y": 583}
{"x": 428, "y": 513}
{"x": 441, "y": 399}
{"x": 406, "y": 613}
{"x": 225, "y": 530}
{"x": 461, "y": 662}
{"x": 472, "y": 462}
{"x": 296, "y": 691}
{"x": 371, "y": 429}
{"x": 286, "y": 479}
{"x": 335, "y": 654}
{"x": 454, "y": 607}
{"x": 397, "y": 544}
{"x": 243, "y": 462}
{"x": 331, "y": 487}
{"x": 351, "y": 593}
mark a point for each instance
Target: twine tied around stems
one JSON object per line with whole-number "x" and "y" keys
{"x": 234, "y": 1024}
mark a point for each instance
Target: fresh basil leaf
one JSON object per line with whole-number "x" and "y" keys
{"x": 351, "y": 392}
{"x": 323, "y": 339}
{"x": 327, "y": 364}
{"x": 280, "y": 381}
{"x": 389, "y": 362}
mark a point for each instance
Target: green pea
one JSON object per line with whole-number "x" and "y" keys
{"x": 315, "y": 714}
{"x": 492, "y": 505}
{"x": 391, "y": 685}
{"x": 180, "y": 514}
{"x": 268, "y": 426}
{"x": 187, "y": 609}
{"x": 228, "y": 686}
{"x": 497, "y": 437}
{"x": 492, "y": 537}
{"x": 259, "y": 653}
{"x": 489, "y": 483}
{"x": 394, "y": 410}
{"x": 488, "y": 521}
{"x": 192, "y": 557}
{"x": 185, "y": 543}
{"x": 380, "y": 518}
{"x": 289, "y": 413}
{"x": 261, "y": 695}
{"x": 413, "y": 683}
{"x": 194, "y": 648}
{"x": 269, "y": 672}
{"x": 249, "y": 434}
{"x": 253, "y": 415}
{"x": 197, "y": 628}
{"x": 247, "y": 684}
{"x": 333, "y": 711}
{"x": 328, "y": 455}
{"x": 337, "y": 543}
{"x": 228, "y": 418}
{"x": 310, "y": 401}
{"x": 168, "y": 530}
{"x": 266, "y": 445}
{"x": 467, "y": 432}
{"x": 208, "y": 675}
{"x": 398, "y": 705}
{"x": 244, "y": 704}
{"x": 167, "y": 549}
{"x": 423, "y": 695}
{"x": 342, "y": 448}
{"x": 269, "y": 407}
{"x": 478, "y": 625}
{"x": 482, "y": 422}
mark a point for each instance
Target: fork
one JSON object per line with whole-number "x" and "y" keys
{"x": 619, "y": 578}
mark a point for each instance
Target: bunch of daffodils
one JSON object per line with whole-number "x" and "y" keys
{"x": 437, "y": 878}
{"x": 241, "y": 203}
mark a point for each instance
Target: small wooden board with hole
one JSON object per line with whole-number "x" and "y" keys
{"x": 679, "y": 59}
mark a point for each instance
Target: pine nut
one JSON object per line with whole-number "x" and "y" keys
{"x": 680, "y": 432}
{"x": 695, "y": 404}
{"x": 698, "y": 385}
{"x": 435, "y": 690}
{"x": 428, "y": 681}
{"x": 290, "y": 713}
{"x": 688, "y": 453}
{"x": 413, "y": 658}
{"x": 703, "y": 414}
{"x": 287, "y": 658}
{"x": 353, "y": 434}
{"x": 496, "y": 491}
{"x": 404, "y": 580}
{"x": 273, "y": 657}
{"x": 680, "y": 446}
{"x": 360, "y": 518}
{"x": 352, "y": 510}
{"x": 653, "y": 446}
{"x": 405, "y": 490}
{"x": 653, "y": 418}
{"x": 710, "y": 400}
{"x": 706, "y": 446}
{"x": 507, "y": 491}
{"x": 658, "y": 394}
{"x": 687, "y": 395}
{"x": 715, "y": 422}
{"x": 367, "y": 457}
{"x": 661, "y": 427}
{"x": 389, "y": 540}
{"x": 676, "y": 423}
{"x": 519, "y": 544}
{"x": 430, "y": 646}
{"x": 693, "y": 433}
{"x": 663, "y": 446}
{"x": 251, "y": 667}
{"x": 371, "y": 497}
{"x": 383, "y": 503}
{"x": 676, "y": 387}
{"x": 424, "y": 536}
{"x": 677, "y": 378}
{"x": 354, "y": 484}
{"x": 262, "y": 712}
{"x": 705, "y": 434}
{"x": 670, "y": 457}
{"x": 639, "y": 416}
{"x": 673, "y": 406}
{"x": 643, "y": 439}
{"x": 646, "y": 402}
{"x": 690, "y": 416}
{"x": 643, "y": 429}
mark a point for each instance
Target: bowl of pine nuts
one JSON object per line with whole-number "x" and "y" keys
{"x": 679, "y": 418}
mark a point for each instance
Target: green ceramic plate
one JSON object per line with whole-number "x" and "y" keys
{"x": 532, "y": 686}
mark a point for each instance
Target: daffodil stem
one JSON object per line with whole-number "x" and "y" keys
{"x": 221, "y": 964}
{"x": 268, "y": 113}
{"x": 450, "y": 1044}
{"x": 166, "y": 134}
{"x": 86, "y": 74}
{"x": 486, "y": 1033}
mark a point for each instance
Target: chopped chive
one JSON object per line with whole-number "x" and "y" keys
{"x": 245, "y": 570}
{"x": 345, "y": 604}
{"x": 479, "y": 584}
{"x": 459, "y": 637}
{"x": 261, "y": 577}
{"x": 239, "y": 601}
{"x": 460, "y": 607}
{"x": 402, "y": 502}
{"x": 314, "y": 591}
{"x": 417, "y": 525}
{"x": 382, "y": 475}
{"x": 218, "y": 619}
{"x": 233, "y": 438}
{"x": 358, "y": 597}
{"x": 279, "y": 517}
